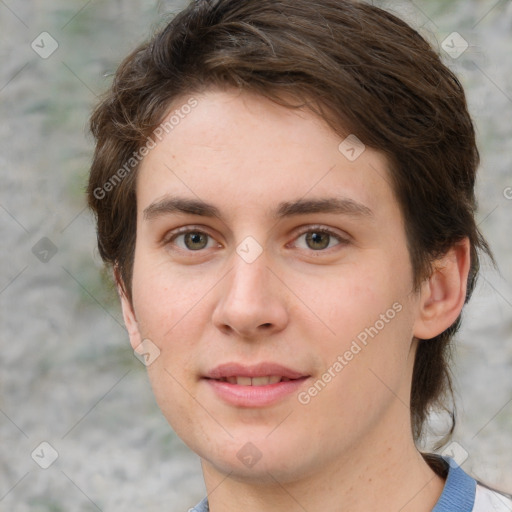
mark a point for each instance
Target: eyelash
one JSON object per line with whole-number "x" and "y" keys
{"x": 311, "y": 229}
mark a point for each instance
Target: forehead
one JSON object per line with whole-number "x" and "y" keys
{"x": 244, "y": 151}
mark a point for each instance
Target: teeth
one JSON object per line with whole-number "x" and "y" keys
{"x": 261, "y": 381}
{"x": 256, "y": 381}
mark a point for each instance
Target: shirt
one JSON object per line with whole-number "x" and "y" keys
{"x": 461, "y": 493}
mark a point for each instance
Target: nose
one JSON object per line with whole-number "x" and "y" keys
{"x": 253, "y": 300}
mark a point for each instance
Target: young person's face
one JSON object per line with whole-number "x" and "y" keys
{"x": 210, "y": 298}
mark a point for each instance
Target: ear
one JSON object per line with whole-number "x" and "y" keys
{"x": 443, "y": 294}
{"x": 130, "y": 321}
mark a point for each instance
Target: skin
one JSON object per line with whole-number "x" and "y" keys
{"x": 350, "y": 447}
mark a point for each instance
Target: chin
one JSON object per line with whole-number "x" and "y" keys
{"x": 256, "y": 461}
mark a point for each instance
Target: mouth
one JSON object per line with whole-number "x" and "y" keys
{"x": 261, "y": 374}
{"x": 254, "y": 386}
{"x": 254, "y": 381}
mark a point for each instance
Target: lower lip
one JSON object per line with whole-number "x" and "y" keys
{"x": 254, "y": 396}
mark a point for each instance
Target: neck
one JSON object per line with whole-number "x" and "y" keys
{"x": 384, "y": 473}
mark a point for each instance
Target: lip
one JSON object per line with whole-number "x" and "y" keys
{"x": 253, "y": 396}
{"x": 257, "y": 370}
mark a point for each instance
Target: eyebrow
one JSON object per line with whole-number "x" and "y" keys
{"x": 337, "y": 205}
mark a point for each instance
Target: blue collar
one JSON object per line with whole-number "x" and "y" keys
{"x": 459, "y": 490}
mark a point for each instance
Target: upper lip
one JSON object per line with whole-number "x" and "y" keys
{"x": 264, "y": 369}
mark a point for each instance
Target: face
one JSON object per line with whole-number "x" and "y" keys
{"x": 295, "y": 267}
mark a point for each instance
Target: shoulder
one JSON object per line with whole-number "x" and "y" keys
{"x": 490, "y": 500}
{"x": 464, "y": 493}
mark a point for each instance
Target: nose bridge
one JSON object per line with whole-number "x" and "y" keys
{"x": 250, "y": 273}
{"x": 251, "y": 256}
{"x": 250, "y": 295}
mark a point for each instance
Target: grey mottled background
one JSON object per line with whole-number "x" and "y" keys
{"x": 67, "y": 374}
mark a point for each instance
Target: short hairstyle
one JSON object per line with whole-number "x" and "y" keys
{"x": 358, "y": 67}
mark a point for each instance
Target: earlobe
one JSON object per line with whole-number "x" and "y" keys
{"x": 130, "y": 320}
{"x": 443, "y": 294}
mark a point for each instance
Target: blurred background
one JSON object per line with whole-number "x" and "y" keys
{"x": 67, "y": 374}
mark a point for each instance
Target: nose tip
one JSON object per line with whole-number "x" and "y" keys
{"x": 252, "y": 301}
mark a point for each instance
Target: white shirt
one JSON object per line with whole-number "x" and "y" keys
{"x": 491, "y": 501}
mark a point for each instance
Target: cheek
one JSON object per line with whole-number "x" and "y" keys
{"x": 371, "y": 318}
{"x": 354, "y": 299}
{"x": 169, "y": 308}
{"x": 167, "y": 302}
{"x": 366, "y": 367}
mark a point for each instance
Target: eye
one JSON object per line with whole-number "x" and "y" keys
{"x": 319, "y": 238}
{"x": 193, "y": 239}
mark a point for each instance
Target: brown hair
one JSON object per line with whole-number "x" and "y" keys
{"x": 360, "y": 68}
